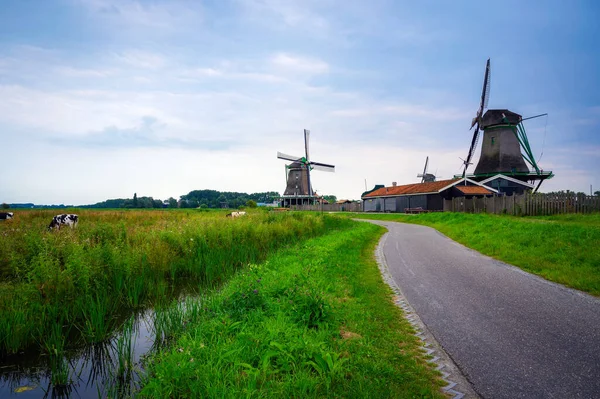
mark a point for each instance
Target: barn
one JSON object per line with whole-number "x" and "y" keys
{"x": 428, "y": 196}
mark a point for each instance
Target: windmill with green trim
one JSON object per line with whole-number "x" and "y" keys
{"x": 505, "y": 148}
{"x": 298, "y": 189}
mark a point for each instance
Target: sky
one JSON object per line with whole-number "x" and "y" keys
{"x": 106, "y": 98}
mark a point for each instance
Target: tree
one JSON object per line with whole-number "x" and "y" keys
{"x": 172, "y": 202}
{"x": 330, "y": 198}
{"x": 251, "y": 204}
{"x": 597, "y": 192}
{"x": 5, "y": 205}
{"x": 135, "y": 200}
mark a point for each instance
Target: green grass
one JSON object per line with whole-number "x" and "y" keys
{"x": 561, "y": 248}
{"x": 119, "y": 261}
{"x": 314, "y": 320}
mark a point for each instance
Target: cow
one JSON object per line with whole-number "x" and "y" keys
{"x": 63, "y": 220}
{"x": 235, "y": 214}
{"x": 6, "y": 215}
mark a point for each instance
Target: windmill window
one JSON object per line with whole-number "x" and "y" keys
{"x": 493, "y": 140}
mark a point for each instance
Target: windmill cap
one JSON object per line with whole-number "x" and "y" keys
{"x": 499, "y": 117}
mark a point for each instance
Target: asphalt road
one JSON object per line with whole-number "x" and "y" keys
{"x": 512, "y": 334}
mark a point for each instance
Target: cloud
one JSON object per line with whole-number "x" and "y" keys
{"x": 406, "y": 110}
{"x": 146, "y": 134}
{"x": 213, "y": 73}
{"x": 154, "y": 17}
{"x": 84, "y": 73}
{"x": 142, "y": 59}
{"x": 288, "y": 13}
{"x": 293, "y": 63}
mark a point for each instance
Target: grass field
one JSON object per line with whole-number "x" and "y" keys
{"x": 314, "y": 320}
{"x": 289, "y": 305}
{"x": 63, "y": 287}
{"x": 561, "y": 248}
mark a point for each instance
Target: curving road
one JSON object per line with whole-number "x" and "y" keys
{"x": 512, "y": 334}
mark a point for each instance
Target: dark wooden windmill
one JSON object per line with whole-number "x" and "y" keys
{"x": 426, "y": 177}
{"x": 505, "y": 148}
{"x": 298, "y": 189}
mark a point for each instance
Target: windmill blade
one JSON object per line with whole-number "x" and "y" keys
{"x": 322, "y": 164}
{"x": 422, "y": 176}
{"x": 324, "y": 168}
{"x": 281, "y": 155}
{"x": 485, "y": 93}
{"x": 467, "y": 161}
{"x": 306, "y": 140}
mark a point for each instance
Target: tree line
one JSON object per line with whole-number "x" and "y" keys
{"x": 194, "y": 199}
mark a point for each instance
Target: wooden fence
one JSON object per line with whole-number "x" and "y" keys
{"x": 352, "y": 207}
{"x": 526, "y": 204}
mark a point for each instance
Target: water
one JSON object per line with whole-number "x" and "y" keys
{"x": 95, "y": 370}
{"x": 112, "y": 368}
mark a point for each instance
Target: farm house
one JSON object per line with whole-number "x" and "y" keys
{"x": 428, "y": 196}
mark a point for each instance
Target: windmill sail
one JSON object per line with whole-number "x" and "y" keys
{"x": 485, "y": 96}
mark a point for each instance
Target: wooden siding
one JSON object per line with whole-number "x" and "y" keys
{"x": 372, "y": 205}
{"x": 526, "y": 204}
{"x": 352, "y": 207}
{"x": 389, "y": 204}
{"x": 435, "y": 202}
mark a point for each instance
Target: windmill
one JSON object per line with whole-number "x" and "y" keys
{"x": 476, "y": 122}
{"x": 298, "y": 185}
{"x": 505, "y": 147}
{"x": 426, "y": 177}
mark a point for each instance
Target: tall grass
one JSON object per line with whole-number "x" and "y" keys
{"x": 120, "y": 260}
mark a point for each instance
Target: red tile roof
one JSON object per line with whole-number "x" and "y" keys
{"x": 415, "y": 188}
{"x": 473, "y": 190}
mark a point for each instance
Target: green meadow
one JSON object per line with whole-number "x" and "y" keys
{"x": 561, "y": 248}
{"x": 74, "y": 283}
{"x": 314, "y": 320}
{"x": 274, "y": 304}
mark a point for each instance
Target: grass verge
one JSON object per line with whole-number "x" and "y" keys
{"x": 315, "y": 320}
{"x": 560, "y": 248}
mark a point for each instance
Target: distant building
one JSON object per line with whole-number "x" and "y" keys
{"x": 273, "y": 204}
{"x": 427, "y": 196}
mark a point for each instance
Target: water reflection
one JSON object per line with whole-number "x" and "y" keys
{"x": 111, "y": 368}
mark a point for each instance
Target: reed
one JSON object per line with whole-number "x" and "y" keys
{"x": 119, "y": 261}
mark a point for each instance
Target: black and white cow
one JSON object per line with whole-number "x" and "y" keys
{"x": 63, "y": 220}
{"x": 235, "y": 214}
{"x": 6, "y": 215}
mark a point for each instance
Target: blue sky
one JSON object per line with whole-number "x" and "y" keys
{"x": 103, "y": 98}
